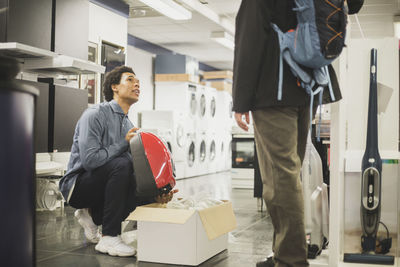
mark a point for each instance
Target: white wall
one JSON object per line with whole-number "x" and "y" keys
{"x": 358, "y": 92}
{"x": 105, "y": 25}
{"x": 142, "y": 64}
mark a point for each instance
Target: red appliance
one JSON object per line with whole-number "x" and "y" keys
{"x": 153, "y": 165}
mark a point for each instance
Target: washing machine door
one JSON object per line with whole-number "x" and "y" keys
{"x": 193, "y": 104}
{"x": 213, "y": 107}
{"x": 191, "y": 154}
{"x": 203, "y": 151}
{"x": 212, "y": 150}
{"x": 180, "y": 136}
{"x": 202, "y": 105}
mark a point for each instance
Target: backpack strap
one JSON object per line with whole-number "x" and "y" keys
{"x": 329, "y": 84}
{"x": 280, "y": 76}
{"x": 320, "y": 91}
{"x": 294, "y": 67}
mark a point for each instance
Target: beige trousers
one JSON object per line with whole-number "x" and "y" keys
{"x": 281, "y": 136}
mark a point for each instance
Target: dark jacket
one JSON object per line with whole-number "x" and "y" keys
{"x": 256, "y": 63}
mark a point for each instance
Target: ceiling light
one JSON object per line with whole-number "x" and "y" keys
{"x": 169, "y": 8}
{"x": 224, "y": 39}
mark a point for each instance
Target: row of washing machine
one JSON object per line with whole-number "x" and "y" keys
{"x": 206, "y": 108}
{"x": 195, "y": 121}
{"x": 194, "y": 153}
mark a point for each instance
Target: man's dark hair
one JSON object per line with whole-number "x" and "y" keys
{"x": 114, "y": 77}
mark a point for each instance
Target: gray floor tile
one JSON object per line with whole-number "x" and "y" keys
{"x": 41, "y": 254}
{"x": 60, "y": 240}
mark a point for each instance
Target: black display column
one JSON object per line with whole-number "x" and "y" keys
{"x": 17, "y": 168}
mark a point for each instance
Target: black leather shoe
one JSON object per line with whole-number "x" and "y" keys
{"x": 269, "y": 262}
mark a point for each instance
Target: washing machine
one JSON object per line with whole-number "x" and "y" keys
{"x": 179, "y": 96}
{"x": 167, "y": 136}
{"x": 224, "y": 114}
{"x": 211, "y": 110}
{"x": 224, "y": 151}
{"x": 178, "y": 123}
{"x": 191, "y": 162}
{"x": 202, "y": 122}
{"x": 212, "y": 152}
{"x": 202, "y": 154}
{"x": 228, "y": 152}
{"x": 220, "y": 152}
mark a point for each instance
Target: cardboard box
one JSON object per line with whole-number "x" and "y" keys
{"x": 184, "y": 237}
{"x": 209, "y": 75}
{"x": 177, "y": 78}
{"x": 219, "y": 85}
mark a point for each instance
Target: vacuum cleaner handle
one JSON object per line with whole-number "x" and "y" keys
{"x": 371, "y": 155}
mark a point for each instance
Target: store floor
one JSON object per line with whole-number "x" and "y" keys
{"x": 60, "y": 240}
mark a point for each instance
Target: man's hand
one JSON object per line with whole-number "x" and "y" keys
{"x": 131, "y": 133}
{"x": 165, "y": 198}
{"x": 239, "y": 120}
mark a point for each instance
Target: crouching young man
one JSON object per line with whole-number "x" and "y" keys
{"x": 99, "y": 181}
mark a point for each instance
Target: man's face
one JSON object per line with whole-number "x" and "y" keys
{"x": 128, "y": 88}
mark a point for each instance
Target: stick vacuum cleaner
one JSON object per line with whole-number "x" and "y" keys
{"x": 371, "y": 181}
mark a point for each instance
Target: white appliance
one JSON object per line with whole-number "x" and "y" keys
{"x": 211, "y": 108}
{"x": 48, "y": 195}
{"x": 174, "y": 127}
{"x": 212, "y": 152}
{"x": 202, "y": 154}
{"x": 315, "y": 192}
{"x": 191, "y": 162}
{"x": 178, "y": 124}
{"x": 242, "y": 171}
{"x": 202, "y": 122}
{"x": 228, "y": 152}
{"x": 179, "y": 96}
{"x": 223, "y": 150}
{"x": 224, "y": 114}
{"x": 207, "y": 109}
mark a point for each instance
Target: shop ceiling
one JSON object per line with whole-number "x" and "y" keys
{"x": 193, "y": 37}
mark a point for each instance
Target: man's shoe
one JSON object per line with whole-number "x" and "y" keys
{"x": 91, "y": 230}
{"x": 114, "y": 246}
{"x": 269, "y": 262}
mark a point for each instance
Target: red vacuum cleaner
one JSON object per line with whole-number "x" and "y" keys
{"x": 153, "y": 165}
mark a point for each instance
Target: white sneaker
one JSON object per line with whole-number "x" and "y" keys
{"x": 91, "y": 230}
{"x": 114, "y": 246}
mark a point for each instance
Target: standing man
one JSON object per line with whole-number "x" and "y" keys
{"x": 280, "y": 127}
{"x": 100, "y": 179}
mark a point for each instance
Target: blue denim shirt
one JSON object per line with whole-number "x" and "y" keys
{"x": 99, "y": 137}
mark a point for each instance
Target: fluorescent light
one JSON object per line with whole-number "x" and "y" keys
{"x": 169, "y": 8}
{"x": 224, "y": 39}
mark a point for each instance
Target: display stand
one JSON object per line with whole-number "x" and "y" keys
{"x": 348, "y": 137}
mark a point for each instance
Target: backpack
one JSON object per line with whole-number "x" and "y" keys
{"x": 318, "y": 39}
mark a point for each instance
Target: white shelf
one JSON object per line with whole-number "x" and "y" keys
{"x": 21, "y": 51}
{"x": 47, "y": 168}
{"x": 62, "y": 65}
{"x": 42, "y": 61}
